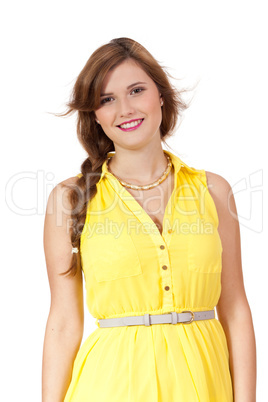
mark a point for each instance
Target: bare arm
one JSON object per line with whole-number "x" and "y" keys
{"x": 65, "y": 322}
{"x": 233, "y": 309}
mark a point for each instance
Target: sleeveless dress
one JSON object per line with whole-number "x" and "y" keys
{"x": 131, "y": 269}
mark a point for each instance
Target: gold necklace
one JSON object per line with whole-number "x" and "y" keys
{"x": 148, "y": 186}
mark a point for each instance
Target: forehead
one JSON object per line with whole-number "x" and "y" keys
{"x": 125, "y": 74}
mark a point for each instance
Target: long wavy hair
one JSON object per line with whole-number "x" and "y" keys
{"x": 85, "y": 99}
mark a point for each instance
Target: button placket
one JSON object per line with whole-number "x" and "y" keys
{"x": 165, "y": 276}
{"x": 167, "y": 233}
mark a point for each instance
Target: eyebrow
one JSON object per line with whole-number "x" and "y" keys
{"x": 130, "y": 86}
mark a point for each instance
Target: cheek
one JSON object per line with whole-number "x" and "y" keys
{"x": 152, "y": 105}
{"x": 104, "y": 116}
{"x": 155, "y": 111}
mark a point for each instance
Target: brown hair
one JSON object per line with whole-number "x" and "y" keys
{"x": 85, "y": 99}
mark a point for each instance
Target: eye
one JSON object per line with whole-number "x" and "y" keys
{"x": 105, "y": 100}
{"x": 138, "y": 90}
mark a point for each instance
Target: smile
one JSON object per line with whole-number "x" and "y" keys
{"x": 131, "y": 126}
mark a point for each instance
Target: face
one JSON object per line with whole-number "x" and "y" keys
{"x": 128, "y": 94}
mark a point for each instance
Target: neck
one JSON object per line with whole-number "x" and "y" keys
{"x": 138, "y": 167}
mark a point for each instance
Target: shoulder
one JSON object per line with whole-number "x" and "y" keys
{"x": 221, "y": 192}
{"x": 217, "y": 185}
{"x": 67, "y": 184}
{"x": 59, "y": 197}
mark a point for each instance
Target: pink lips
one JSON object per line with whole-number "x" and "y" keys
{"x": 131, "y": 128}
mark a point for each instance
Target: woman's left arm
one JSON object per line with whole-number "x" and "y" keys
{"x": 233, "y": 308}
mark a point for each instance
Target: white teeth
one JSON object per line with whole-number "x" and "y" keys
{"x": 132, "y": 124}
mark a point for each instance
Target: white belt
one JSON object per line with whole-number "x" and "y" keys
{"x": 185, "y": 317}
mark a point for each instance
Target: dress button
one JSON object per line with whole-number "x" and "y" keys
{"x": 162, "y": 247}
{"x": 164, "y": 267}
{"x": 169, "y": 230}
{"x": 166, "y": 287}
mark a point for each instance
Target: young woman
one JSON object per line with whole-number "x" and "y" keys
{"x": 159, "y": 246}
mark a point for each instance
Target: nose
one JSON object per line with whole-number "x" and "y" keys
{"x": 125, "y": 107}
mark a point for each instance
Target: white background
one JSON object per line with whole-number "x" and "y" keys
{"x": 222, "y": 45}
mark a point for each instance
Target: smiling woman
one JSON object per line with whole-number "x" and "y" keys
{"x": 152, "y": 243}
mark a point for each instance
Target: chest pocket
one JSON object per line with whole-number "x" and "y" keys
{"x": 205, "y": 252}
{"x": 113, "y": 258}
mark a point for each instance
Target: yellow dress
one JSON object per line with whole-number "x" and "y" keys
{"x": 128, "y": 272}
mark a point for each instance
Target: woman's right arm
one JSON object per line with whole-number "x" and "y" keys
{"x": 65, "y": 322}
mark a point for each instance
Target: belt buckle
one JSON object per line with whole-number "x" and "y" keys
{"x": 192, "y": 318}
